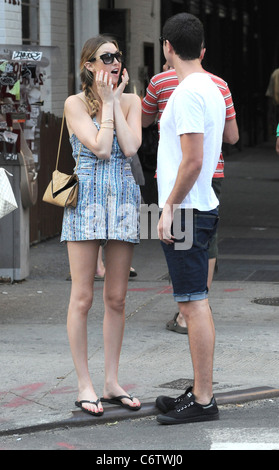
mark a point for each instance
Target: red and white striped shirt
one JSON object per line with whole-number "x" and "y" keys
{"x": 160, "y": 89}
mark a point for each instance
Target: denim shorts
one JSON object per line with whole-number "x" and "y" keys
{"x": 188, "y": 268}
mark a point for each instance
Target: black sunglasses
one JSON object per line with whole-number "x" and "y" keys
{"x": 162, "y": 40}
{"x": 108, "y": 58}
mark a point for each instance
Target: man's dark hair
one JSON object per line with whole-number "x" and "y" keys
{"x": 186, "y": 34}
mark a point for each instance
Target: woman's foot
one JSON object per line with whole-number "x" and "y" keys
{"x": 89, "y": 402}
{"x": 118, "y": 396}
{"x": 84, "y": 405}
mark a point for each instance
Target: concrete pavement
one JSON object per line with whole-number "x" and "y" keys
{"x": 38, "y": 381}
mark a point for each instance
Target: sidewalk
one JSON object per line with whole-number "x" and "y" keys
{"x": 38, "y": 381}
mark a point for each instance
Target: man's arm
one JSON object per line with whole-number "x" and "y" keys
{"x": 189, "y": 168}
{"x": 188, "y": 172}
{"x": 148, "y": 119}
{"x": 231, "y": 134}
{"x": 149, "y": 105}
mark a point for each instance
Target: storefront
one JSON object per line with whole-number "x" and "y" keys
{"x": 242, "y": 39}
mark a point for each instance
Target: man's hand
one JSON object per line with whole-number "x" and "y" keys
{"x": 164, "y": 225}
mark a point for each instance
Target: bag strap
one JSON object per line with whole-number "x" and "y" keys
{"x": 4, "y": 170}
{"x": 60, "y": 139}
{"x": 59, "y": 144}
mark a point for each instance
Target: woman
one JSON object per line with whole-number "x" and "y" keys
{"x": 104, "y": 124}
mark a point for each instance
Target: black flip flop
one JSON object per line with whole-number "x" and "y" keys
{"x": 117, "y": 401}
{"x": 93, "y": 413}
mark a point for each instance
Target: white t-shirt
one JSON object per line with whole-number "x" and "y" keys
{"x": 195, "y": 106}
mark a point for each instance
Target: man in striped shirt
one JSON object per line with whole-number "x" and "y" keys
{"x": 160, "y": 89}
{"x": 158, "y": 92}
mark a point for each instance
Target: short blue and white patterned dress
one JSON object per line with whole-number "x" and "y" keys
{"x": 108, "y": 204}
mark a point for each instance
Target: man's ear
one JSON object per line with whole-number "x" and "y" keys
{"x": 203, "y": 50}
{"x": 169, "y": 46}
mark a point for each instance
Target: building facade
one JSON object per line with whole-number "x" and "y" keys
{"x": 242, "y": 46}
{"x": 67, "y": 24}
{"x": 242, "y": 41}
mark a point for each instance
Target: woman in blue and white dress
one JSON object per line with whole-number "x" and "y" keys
{"x": 104, "y": 124}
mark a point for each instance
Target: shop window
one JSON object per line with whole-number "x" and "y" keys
{"x": 30, "y": 22}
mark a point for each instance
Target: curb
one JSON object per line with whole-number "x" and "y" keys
{"x": 117, "y": 413}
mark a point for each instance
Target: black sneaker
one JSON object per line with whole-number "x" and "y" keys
{"x": 166, "y": 404}
{"x": 189, "y": 411}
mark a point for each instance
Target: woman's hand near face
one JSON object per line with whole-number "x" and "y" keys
{"x": 121, "y": 87}
{"x": 127, "y": 117}
{"x": 104, "y": 86}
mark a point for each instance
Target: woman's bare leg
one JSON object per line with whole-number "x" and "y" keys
{"x": 118, "y": 258}
{"x": 83, "y": 260}
{"x": 100, "y": 271}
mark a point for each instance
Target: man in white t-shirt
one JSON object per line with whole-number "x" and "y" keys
{"x": 191, "y": 134}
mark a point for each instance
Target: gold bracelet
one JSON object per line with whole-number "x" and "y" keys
{"x": 107, "y": 120}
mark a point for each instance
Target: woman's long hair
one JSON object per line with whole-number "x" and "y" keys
{"x": 87, "y": 78}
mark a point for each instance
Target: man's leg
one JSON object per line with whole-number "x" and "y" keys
{"x": 178, "y": 323}
{"x": 201, "y": 334}
{"x": 189, "y": 274}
